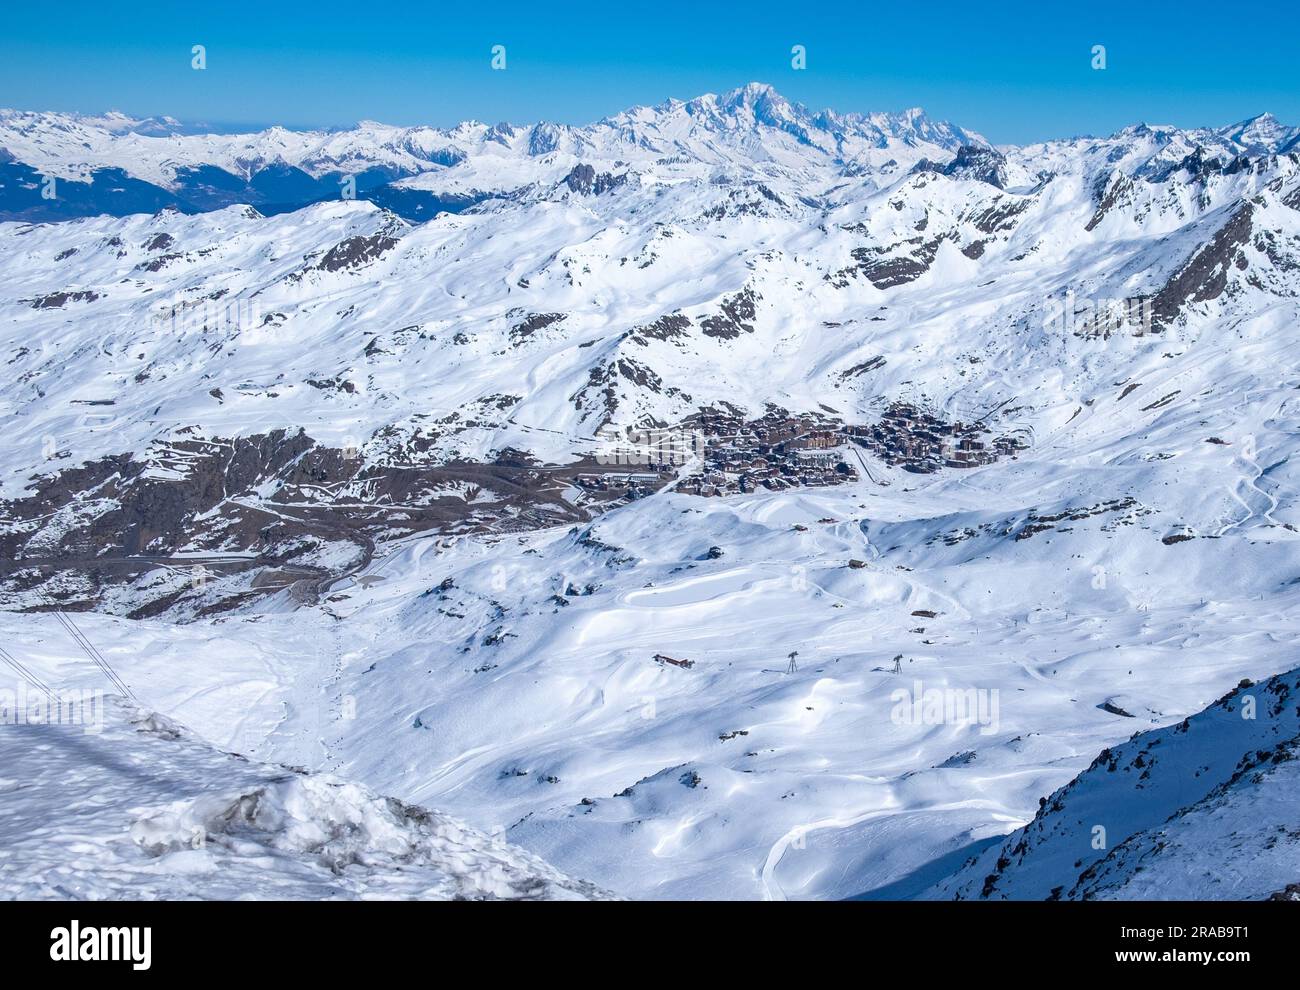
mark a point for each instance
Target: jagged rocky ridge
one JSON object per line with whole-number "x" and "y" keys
{"x": 1204, "y": 809}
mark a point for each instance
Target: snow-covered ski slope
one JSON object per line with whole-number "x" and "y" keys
{"x": 416, "y": 594}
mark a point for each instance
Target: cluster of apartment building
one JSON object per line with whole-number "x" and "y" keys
{"x": 917, "y": 441}
{"x": 781, "y": 450}
{"x": 773, "y": 452}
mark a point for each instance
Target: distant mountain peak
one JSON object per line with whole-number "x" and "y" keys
{"x": 751, "y": 93}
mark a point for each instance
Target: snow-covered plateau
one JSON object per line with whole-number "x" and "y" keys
{"x": 721, "y": 500}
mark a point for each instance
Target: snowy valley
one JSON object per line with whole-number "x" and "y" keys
{"x": 721, "y": 500}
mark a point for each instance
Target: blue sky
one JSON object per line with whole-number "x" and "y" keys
{"x": 1015, "y": 71}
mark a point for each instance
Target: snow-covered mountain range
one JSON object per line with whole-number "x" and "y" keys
{"x": 118, "y": 165}
{"x": 114, "y": 164}
{"x": 510, "y": 486}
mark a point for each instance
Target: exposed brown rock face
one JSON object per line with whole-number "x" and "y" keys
{"x": 1205, "y": 274}
{"x": 891, "y": 265}
{"x": 584, "y": 179}
{"x": 737, "y": 317}
{"x": 530, "y": 324}
{"x": 57, "y": 300}
{"x": 1117, "y": 191}
{"x": 356, "y": 252}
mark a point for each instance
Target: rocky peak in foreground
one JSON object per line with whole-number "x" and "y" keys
{"x": 1205, "y": 809}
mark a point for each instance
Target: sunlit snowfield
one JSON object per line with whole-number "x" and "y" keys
{"x": 735, "y": 777}
{"x": 1126, "y": 569}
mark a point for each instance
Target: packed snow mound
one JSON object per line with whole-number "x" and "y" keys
{"x": 1201, "y": 810}
{"x": 134, "y": 806}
